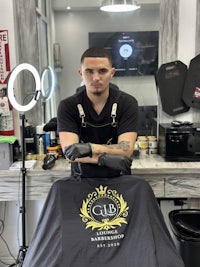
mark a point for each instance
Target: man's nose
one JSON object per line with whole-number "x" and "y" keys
{"x": 95, "y": 75}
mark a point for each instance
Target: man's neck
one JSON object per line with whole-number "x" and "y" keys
{"x": 98, "y": 100}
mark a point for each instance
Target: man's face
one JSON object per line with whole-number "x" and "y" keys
{"x": 96, "y": 73}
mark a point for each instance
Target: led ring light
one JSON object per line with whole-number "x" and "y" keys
{"x": 47, "y": 95}
{"x": 13, "y": 75}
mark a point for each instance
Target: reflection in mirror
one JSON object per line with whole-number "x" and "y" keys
{"x": 72, "y": 29}
{"x": 48, "y": 87}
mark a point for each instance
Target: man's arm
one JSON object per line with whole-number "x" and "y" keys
{"x": 125, "y": 146}
{"x": 67, "y": 139}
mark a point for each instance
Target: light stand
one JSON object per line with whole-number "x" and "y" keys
{"x": 23, "y": 248}
{"x": 46, "y": 95}
{"x": 14, "y": 73}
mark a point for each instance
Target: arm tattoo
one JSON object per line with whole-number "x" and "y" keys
{"x": 123, "y": 145}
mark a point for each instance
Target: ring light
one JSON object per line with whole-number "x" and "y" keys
{"x": 47, "y": 95}
{"x": 13, "y": 75}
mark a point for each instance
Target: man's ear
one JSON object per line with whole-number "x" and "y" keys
{"x": 113, "y": 72}
{"x": 80, "y": 72}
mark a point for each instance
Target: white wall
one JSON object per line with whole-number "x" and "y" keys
{"x": 72, "y": 33}
{"x": 187, "y": 31}
{"x": 186, "y": 46}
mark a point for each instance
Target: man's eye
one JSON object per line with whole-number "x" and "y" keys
{"x": 102, "y": 71}
{"x": 88, "y": 71}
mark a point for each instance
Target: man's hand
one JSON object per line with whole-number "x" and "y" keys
{"x": 116, "y": 162}
{"x": 79, "y": 150}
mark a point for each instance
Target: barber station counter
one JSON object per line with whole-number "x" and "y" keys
{"x": 167, "y": 179}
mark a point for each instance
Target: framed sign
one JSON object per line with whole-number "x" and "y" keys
{"x": 4, "y": 57}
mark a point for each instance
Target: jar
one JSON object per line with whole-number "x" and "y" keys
{"x": 55, "y": 150}
{"x": 153, "y": 151}
{"x": 31, "y": 156}
{"x": 142, "y": 142}
{"x": 152, "y": 145}
{"x": 152, "y": 141}
{"x": 143, "y": 145}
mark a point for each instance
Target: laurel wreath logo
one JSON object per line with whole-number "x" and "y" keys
{"x": 103, "y": 193}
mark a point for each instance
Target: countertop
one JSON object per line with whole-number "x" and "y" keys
{"x": 168, "y": 179}
{"x": 157, "y": 164}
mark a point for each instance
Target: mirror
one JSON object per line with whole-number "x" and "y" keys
{"x": 70, "y": 28}
{"x": 71, "y": 32}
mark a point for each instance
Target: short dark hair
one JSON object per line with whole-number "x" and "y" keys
{"x": 96, "y": 52}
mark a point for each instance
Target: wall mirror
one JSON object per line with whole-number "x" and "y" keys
{"x": 69, "y": 30}
{"x": 63, "y": 32}
{"x": 76, "y": 20}
{"x": 80, "y": 24}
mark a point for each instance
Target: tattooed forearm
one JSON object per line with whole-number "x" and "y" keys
{"x": 124, "y": 145}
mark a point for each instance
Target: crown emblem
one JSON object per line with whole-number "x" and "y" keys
{"x": 101, "y": 190}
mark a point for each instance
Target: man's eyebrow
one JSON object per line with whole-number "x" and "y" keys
{"x": 104, "y": 68}
{"x": 98, "y": 70}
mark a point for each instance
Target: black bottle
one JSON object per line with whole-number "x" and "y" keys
{"x": 30, "y": 133}
{"x": 53, "y": 139}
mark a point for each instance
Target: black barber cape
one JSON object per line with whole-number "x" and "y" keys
{"x": 101, "y": 222}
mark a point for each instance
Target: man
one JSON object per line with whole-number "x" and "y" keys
{"x": 100, "y": 222}
{"x": 98, "y": 125}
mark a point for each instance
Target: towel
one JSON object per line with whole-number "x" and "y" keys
{"x": 8, "y": 139}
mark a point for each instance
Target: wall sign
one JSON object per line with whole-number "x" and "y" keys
{"x": 4, "y": 57}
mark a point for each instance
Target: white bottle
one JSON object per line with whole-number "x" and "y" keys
{"x": 41, "y": 146}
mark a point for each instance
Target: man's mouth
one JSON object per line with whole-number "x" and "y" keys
{"x": 96, "y": 85}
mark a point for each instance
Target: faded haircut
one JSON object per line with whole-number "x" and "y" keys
{"x": 96, "y": 52}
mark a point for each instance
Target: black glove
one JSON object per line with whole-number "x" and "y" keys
{"x": 116, "y": 162}
{"x": 79, "y": 150}
{"x": 49, "y": 162}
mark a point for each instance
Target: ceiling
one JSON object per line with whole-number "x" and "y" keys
{"x": 76, "y": 5}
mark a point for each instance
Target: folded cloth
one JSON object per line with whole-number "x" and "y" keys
{"x": 99, "y": 222}
{"x": 8, "y": 139}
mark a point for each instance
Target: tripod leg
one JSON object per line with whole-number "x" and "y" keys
{"x": 21, "y": 256}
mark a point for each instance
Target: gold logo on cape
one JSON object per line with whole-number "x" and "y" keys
{"x": 104, "y": 209}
